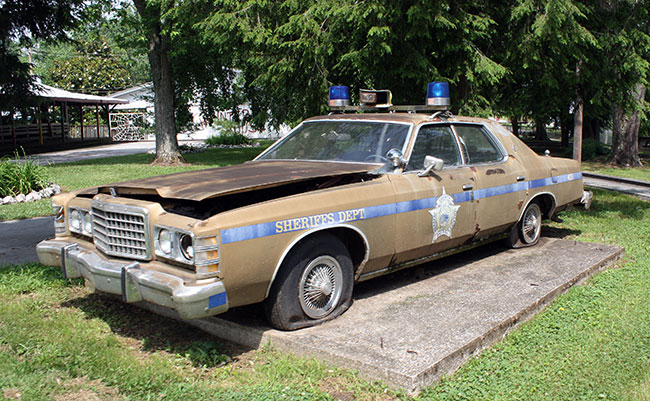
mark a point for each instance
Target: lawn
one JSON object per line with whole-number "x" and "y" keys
{"x": 602, "y": 167}
{"x": 58, "y": 341}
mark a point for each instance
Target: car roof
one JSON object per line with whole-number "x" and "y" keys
{"x": 411, "y": 118}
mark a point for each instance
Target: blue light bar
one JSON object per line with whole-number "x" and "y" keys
{"x": 438, "y": 95}
{"x": 339, "y": 96}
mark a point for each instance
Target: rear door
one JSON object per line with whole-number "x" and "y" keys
{"x": 501, "y": 187}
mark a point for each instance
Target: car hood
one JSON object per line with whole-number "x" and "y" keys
{"x": 204, "y": 184}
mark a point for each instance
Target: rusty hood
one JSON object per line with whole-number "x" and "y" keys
{"x": 204, "y": 184}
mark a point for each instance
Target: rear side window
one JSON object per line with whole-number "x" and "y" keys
{"x": 437, "y": 141}
{"x": 479, "y": 146}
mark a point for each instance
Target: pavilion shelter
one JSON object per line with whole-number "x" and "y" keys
{"x": 45, "y": 121}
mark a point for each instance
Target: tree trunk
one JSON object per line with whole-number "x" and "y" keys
{"x": 167, "y": 151}
{"x": 577, "y": 130}
{"x": 577, "y": 119}
{"x": 540, "y": 130}
{"x": 515, "y": 125}
{"x": 625, "y": 133}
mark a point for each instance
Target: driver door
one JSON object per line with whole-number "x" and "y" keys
{"x": 434, "y": 212}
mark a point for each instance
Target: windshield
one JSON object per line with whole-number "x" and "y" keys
{"x": 351, "y": 141}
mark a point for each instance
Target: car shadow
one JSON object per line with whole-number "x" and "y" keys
{"x": 154, "y": 333}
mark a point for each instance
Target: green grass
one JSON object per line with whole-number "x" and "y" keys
{"x": 637, "y": 173}
{"x": 105, "y": 171}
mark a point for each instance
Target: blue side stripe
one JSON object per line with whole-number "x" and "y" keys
{"x": 266, "y": 229}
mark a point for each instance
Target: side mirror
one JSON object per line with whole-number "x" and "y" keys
{"x": 395, "y": 157}
{"x": 431, "y": 164}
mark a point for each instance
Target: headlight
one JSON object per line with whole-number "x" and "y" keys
{"x": 80, "y": 222}
{"x": 174, "y": 244}
{"x": 165, "y": 241}
{"x": 75, "y": 220}
{"x": 187, "y": 249}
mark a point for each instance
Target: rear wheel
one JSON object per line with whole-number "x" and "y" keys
{"x": 528, "y": 230}
{"x": 314, "y": 284}
{"x": 530, "y": 227}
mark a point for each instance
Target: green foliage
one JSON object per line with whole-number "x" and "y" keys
{"x": 92, "y": 69}
{"x": 230, "y": 134}
{"x": 21, "y": 23}
{"x": 290, "y": 52}
{"x": 592, "y": 148}
{"x": 21, "y": 177}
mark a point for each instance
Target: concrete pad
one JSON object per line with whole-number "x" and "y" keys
{"x": 410, "y": 328}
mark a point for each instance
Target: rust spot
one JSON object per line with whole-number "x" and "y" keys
{"x": 473, "y": 169}
{"x": 495, "y": 171}
{"x": 477, "y": 229}
{"x": 520, "y": 204}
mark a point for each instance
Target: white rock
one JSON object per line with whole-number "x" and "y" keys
{"x": 47, "y": 192}
{"x": 32, "y": 197}
{"x": 56, "y": 189}
{"x": 8, "y": 200}
{"x": 20, "y": 198}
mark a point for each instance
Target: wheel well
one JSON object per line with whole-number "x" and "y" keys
{"x": 547, "y": 204}
{"x": 353, "y": 241}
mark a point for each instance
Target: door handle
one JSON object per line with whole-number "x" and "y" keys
{"x": 521, "y": 178}
{"x": 467, "y": 187}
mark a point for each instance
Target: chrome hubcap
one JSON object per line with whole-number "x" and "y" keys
{"x": 532, "y": 224}
{"x": 320, "y": 287}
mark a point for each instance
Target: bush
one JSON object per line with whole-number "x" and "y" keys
{"x": 592, "y": 148}
{"x": 228, "y": 135}
{"x": 20, "y": 178}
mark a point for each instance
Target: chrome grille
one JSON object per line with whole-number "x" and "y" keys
{"x": 120, "y": 230}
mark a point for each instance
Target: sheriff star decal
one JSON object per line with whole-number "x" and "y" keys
{"x": 443, "y": 216}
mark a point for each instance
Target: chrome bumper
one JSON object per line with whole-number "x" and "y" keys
{"x": 133, "y": 283}
{"x": 587, "y": 197}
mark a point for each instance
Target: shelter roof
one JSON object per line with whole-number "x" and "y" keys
{"x": 61, "y": 95}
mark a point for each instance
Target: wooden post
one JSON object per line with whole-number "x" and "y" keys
{"x": 63, "y": 106}
{"x": 39, "y": 119}
{"x": 108, "y": 118}
{"x": 97, "y": 118}
{"x": 13, "y": 129}
{"x": 81, "y": 119}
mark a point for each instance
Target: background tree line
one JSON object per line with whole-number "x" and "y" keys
{"x": 539, "y": 60}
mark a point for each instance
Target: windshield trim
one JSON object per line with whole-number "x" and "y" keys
{"x": 284, "y": 138}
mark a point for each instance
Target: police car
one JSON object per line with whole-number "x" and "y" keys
{"x": 343, "y": 198}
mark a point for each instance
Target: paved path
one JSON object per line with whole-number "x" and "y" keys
{"x": 96, "y": 152}
{"x": 640, "y": 189}
{"x": 18, "y": 239}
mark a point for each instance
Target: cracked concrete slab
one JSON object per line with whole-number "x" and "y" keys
{"x": 410, "y": 328}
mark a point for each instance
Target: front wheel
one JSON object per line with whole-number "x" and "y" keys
{"x": 314, "y": 284}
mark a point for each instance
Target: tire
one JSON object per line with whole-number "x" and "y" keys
{"x": 314, "y": 284}
{"x": 530, "y": 226}
{"x": 528, "y": 229}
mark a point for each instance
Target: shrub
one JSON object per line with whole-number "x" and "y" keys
{"x": 592, "y": 148}
{"x": 228, "y": 135}
{"x": 20, "y": 178}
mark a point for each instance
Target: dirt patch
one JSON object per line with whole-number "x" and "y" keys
{"x": 337, "y": 388}
{"x": 85, "y": 389}
{"x": 11, "y": 393}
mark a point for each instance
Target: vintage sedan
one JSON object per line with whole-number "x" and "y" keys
{"x": 341, "y": 199}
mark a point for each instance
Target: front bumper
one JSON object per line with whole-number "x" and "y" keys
{"x": 134, "y": 283}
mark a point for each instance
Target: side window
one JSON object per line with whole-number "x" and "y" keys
{"x": 478, "y": 146}
{"x": 437, "y": 141}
